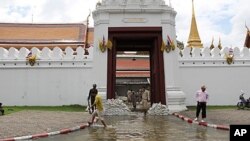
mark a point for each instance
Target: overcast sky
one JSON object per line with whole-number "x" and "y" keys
{"x": 215, "y": 18}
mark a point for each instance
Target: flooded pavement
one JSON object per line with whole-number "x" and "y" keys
{"x": 144, "y": 128}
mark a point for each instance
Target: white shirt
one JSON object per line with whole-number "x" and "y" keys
{"x": 201, "y": 96}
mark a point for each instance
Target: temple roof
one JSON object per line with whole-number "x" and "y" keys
{"x": 40, "y": 35}
{"x": 27, "y": 34}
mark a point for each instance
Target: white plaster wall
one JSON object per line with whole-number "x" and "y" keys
{"x": 66, "y": 79}
{"x": 58, "y": 79}
{"x": 224, "y": 81}
{"x": 119, "y": 13}
{"x": 100, "y": 60}
{"x": 140, "y": 19}
{"x": 44, "y": 86}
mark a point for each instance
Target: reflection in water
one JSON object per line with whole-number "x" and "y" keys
{"x": 201, "y": 133}
{"x": 144, "y": 128}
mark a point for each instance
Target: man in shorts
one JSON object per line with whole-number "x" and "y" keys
{"x": 98, "y": 111}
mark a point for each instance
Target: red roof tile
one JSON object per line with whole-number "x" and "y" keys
{"x": 133, "y": 74}
{"x": 130, "y": 64}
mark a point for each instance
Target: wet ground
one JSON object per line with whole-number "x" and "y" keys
{"x": 144, "y": 128}
{"x": 123, "y": 127}
{"x": 31, "y": 122}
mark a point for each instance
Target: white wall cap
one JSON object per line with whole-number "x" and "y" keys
{"x": 23, "y": 52}
{"x": 13, "y": 53}
{"x": 205, "y": 52}
{"x": 46, "y": 53}
{"x": 36, "y": 52}
{"x": 186, "y": 52}
{"x": 215, "y": 52}
{"x": 3, "y": 53}
{"x": 196, "y": 53}
{"x": 224, "y": 51}
{"x": 236, "y": 52}
{"x": 245, "y": 52}
{"x": 57, "y": 53}
{"x": 69, "y": 53}
{"x": 80, "y": 53}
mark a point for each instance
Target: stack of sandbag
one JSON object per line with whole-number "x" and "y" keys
{"x": 116, "y": 107}
{"x": 158, "y": 109}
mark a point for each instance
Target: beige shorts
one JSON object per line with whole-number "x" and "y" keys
{"x": 99, "y": 114}
{"x": 145, "y": 103}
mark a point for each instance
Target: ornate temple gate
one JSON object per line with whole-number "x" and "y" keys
{"x": 143, "y": 25}
{"x": 138, "y": 39}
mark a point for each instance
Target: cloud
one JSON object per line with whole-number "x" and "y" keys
{"x": 215, "y": 18}
{"x": 46, "y": 11}
{"x": 223, "y": 19}
{"x": 66, "y": 11}
{"x": 17, "y": 10}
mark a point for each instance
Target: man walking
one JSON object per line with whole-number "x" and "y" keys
{"x": 201, "y": 98}
{"x": 145, "y": 99}
{"x": 98, "y": 111}
{"x": 92, "y": 93}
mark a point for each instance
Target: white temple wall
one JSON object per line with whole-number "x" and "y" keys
{"x": 224, "y": 81}
{"x": 100, "y": 60}
{"x": 45, "y": 86}
{"x": 171, "y": 58}
{"x": 59, "y": 79}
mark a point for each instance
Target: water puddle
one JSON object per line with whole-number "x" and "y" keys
{"x": 144, "y": 128}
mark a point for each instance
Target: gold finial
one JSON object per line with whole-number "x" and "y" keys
{"x": 219, "y": 45}
{"x": 246, "y": 27}
{"x": 247, "y": 40}
{"x": 87, "y": 35}
{"x": 194, "y": 38}
{"x": 192, "y": 7}
{"x": 212, "y": 44}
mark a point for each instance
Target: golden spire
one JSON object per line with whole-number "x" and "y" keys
{"x": 247, "y": 40}
{"x": 246, "y": 26}
{"x": 86, "y": 52}
{"x": 194, "y": 38}
{"x": 219, "y": 45}
{"x": 212, "y": 44}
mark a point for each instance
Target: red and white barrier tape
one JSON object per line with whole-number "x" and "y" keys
{"x": 35, "y": 136}
{"x": 189, "y": 120}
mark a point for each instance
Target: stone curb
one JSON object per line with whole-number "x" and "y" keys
{"x": 41, "y": 135}
{"x": 189, "y": 120}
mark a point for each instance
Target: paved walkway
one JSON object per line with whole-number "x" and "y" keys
{"x": 223, "y": 117}
{"x": 34, "y": 122}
